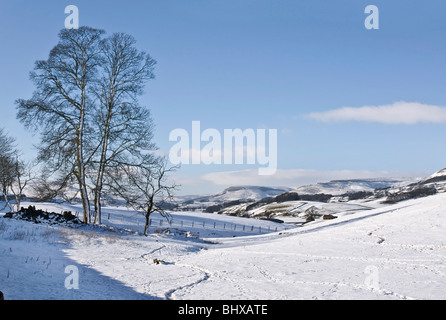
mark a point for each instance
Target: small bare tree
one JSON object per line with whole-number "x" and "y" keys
{"x": 47, "y": 187}
{"x": 143, "y": 186}
{"x": 6, "y": 179}
{"x": 22, "y": 175}
{"x": 15, "y": 174}
{"x": 7, "y": 151}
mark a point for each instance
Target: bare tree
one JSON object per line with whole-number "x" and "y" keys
{"x": 60, "y": 106}
{"x": 125, "y": 127}
{"x": 22, "y": 175}
{"x": 92, "y": 126}
{"x": 7, "y": 144}
{"x": 6, "y": 179}
{"x": 15, "y": 174}
{"x": 7, "y": 151}
{"x": 47, "y": 187}
{"x": 143, "y": 186}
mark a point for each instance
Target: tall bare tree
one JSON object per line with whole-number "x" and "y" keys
{"x": 125, "y": 127}
{"x": 61, "y": 104}
{"x": 92, "y": 125}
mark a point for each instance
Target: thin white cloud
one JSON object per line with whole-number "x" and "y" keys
{"x": 397, "y": 113}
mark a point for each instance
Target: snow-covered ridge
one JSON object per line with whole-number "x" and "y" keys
{"x": 334, "y": 187}
{"x": 336, "y": 197}
{"x": 247, "y": 192}
{"x": 234, "y": 193}
{"x": 338, "y": 187}
{"x": 439, "y": 173}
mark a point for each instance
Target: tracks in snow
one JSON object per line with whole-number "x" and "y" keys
{"x": 331, "y": 286}
{"x": 170, "y": 295}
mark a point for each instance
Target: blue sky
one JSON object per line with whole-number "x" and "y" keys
{"x": 266, "y": 64}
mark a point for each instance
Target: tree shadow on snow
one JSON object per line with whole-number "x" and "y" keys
{"x": 35, "y": 268}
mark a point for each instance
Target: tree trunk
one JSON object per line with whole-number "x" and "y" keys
{"x": 102, "y": 164}
{"x": 80, "y": 161}
{"x": 97, "y": 207}
{"x": 98, "y": 195}
{"x": 148, "y": 212}
{"x": 5, "y": 195}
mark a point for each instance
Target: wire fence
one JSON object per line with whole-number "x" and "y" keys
{"x": 222, "y": 226}
{"x": 203, "y": 224}
{"x": 198, "y": 224}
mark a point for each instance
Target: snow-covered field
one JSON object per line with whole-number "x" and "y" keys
{"x": 391, "y": 252}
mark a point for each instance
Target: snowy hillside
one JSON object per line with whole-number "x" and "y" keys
{"x": 338, "y": 187}
{"x": 390, "y": 252}
{"x": 435, "y": 183}
{"x": 436, "y": 180}
{"x": 439, "y": 173}
{"x": 232, "y": 199}
{"x": 336, "y": 197}
{"x": 235, "y": 193}
{"x": 246, "y": 192}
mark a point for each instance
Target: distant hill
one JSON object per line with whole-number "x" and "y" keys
{"x": 338, "y": 187}
{"x": 231, "y": 195}
{"x": 433, "y": 184}
{"x": 337, "y": 197}
{"x": 333, "y": 197}
{"x": 439, "y": 176}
